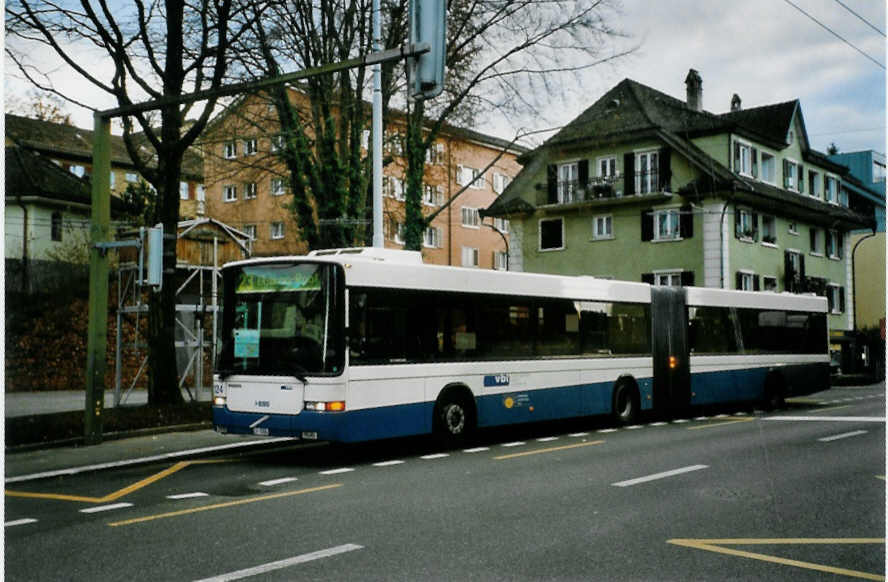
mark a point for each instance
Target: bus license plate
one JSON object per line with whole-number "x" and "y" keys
{"x": 260, "y": 431}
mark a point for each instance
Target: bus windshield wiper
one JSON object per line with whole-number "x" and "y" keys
{"x": 297, "y": 371}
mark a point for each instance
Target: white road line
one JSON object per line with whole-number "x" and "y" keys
{"x": 24, "y": 521}
{"x": 337, "y": 471}
{"x": 272, "y": 566}
{"x": 142, "y": 460}
{"x": 110, "y": 507}
{"x": 476, "y": 450}
{"x": 702, "y": 418}
{"x": 434, "y": 456}
{"x": 844, "y": 435}
{"x": 680, "y": 421}
{"x": 281, "y": 481}
{"x": 547, "y": 439}
{"x": 188, "y": 495}
{"x": 515, "y": 444}
{"x": 740, "y": 414}
{"x": 662, "y": 475}
{"x": 388, "y": 463}
{"x": 579, "y": 434}
{"x": 605, "y": 431}
{"x": 660, "y": 423}
{"x": 634, "y": 427}
{"x": 829, "y": 418}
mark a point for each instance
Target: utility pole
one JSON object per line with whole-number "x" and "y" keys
{"x": 376, "y": 130}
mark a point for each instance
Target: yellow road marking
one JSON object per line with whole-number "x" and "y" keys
{"x": 714, "y": 424}
{"x": 548, "y": 450}
{"x": 715, "y": 545}
{"x": 221, "y": 505}
{"x": 116, "y": 494}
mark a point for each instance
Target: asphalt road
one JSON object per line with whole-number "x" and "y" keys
{"x": 798, "y": 494}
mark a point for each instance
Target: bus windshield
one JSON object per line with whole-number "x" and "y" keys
{"x": 282, "y": 319}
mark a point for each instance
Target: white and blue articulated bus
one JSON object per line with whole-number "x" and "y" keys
{"x": 359, "y": 344}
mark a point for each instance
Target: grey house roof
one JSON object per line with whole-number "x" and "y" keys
{"x": 631, "y": 112}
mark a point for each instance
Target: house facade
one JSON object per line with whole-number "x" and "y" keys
{"x": 70, "y": 148}
{"x": 866, "y": 187}
{"x": 646, "y": 187}
{"x": 247, "y": 186}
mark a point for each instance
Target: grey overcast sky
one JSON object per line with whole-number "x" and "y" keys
{"x": 766, "y": 51}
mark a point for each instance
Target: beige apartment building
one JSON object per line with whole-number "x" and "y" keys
{"x": 247, "y": 186}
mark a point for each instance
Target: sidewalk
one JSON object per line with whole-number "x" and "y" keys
{"x": 48, "y": 402}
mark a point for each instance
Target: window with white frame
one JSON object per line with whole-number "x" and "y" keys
{"x": 77, "y": 170}
{"x": 834, "y": 244}
{"x": 435, "y": 154}
{"x": 603, "y": 227}
{"x": 816, "y": 237}
{"x": 277, "y": 143}
{"x": 831, "y": 190}
{"x": 647, "y": 172}
{"x": 607, "y": 167}
{"x": 667, "y": 279}
{"x": 666, "y": 224}
{"x": 393, "y": 187}
{"x": 746, "y": 226}
{"x": 814, "y": 184}
{"x": 835, "y": 297}
{"x": 551, "y": 234}
{"x": 229, "y": 150}
{"x": 500, "y": 181}
{"x": 229, "y": 192}
{"x": 746, "y": 281}
{"x": 769, "y": 168}
{"x": 112, "y": 178}
{"x": 501, "y": 260}
{"x": 183, "y": 190}
{"x": 791, "y": 175}
{"x": 278, "y": 187}
{"x": 793, "y": 228}
{"x": 201, "y": 193}
{"x": 132, "y": 177}
{"x": 471, "y": 177}
{"x": 277, "y": 230}
{"x": 769, "y": 283}
{"x": 470, "y": 217}
{"x": 250, "y": 190}
{"x": 568, "y": 181}
{"x": 250, "y": 146}
{"x": 432, "y": 195}
{"x": 744, "y": 158}
{"x": 769, "y": 229}
{"x": 431, "y": 238}
{"x": 501, "y": 224}
{"x": 469, "y": 257}
{"x": 250, "y": 230}
{"x": 396, "y": 231}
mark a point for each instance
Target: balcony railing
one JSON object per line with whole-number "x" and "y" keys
{"x": 599, "y": 188}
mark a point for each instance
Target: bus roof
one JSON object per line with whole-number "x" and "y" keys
{"x": 397, "y": 269}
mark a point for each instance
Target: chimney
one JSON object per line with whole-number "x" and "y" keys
{"x": 735, "y": 102}
{"x": 695, "y": 90}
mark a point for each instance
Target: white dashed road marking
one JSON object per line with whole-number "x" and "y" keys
{"x": 110, "y": 507}
{"x": 272, "y": 566}
{"x": 476, "y": 450}
{"x": 337, "y": 471}
{"x": 434, "y": 456}
{"x": 281, "y": 481}
{"x": 662, "y": 475}
{"x": 388, "y": 463}
{"x": 844, "y": 435}
{"x": 187, "y": 495}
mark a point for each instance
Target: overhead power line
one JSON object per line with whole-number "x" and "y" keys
{"x": 834, "y": 33}
{"x": 864, "y": 20}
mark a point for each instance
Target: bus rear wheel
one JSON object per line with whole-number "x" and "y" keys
{"x": 626, "y": 405}
{"x": 454, "y": 420}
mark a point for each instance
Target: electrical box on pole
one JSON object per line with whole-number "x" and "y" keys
{"x": 428, "y": 25}
{"x": 154, "y": 271}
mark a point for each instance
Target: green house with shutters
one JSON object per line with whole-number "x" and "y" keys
{"x": 646, "y": 187}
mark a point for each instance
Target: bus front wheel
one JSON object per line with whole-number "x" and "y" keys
{"x": 626, "y": 405}
{"x": 454, "y": 419}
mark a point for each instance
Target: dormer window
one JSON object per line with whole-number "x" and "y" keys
{"x": 745, "y": 159}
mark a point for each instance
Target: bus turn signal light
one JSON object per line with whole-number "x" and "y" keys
{"x": 335, "y": 406}
{"x": 673, "y": 362}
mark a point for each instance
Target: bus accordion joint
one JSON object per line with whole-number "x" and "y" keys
{"x": 335, "y": 406}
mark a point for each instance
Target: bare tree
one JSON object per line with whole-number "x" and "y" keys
{"x": 154, "y": 50}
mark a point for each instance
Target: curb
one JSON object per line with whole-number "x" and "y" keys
{"x": 108, "y": 436}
